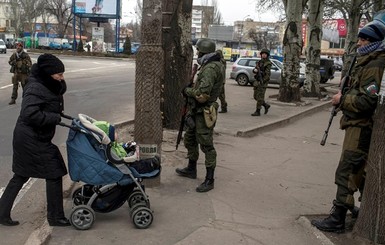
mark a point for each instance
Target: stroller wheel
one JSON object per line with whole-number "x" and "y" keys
{"x": 142, "y": 217}
{"x": 136, "y": 206}
{"x": 82, "y": 217}
{"x": 137, "y": 197}
{"x": 82, "y": 195}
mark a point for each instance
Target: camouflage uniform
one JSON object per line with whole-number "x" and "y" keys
{"x": 260, "y": 86}
{"x": 358, "y": 106}
{"x": 208, "y": 86}
{"x": 201, "y": 98}
{"x": 21, "y": 64}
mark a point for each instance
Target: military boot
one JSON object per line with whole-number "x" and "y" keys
{"x": 208, "y": 184}
{"x": 335, "y": 222}
{"x": 256, "y": 113}
{"x": 190, "y": 171}
{"x": 12, "y": 102}
{"x": 266, "y": 106}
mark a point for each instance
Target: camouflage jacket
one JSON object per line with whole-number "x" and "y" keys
{"x": 265, "y": 66}
{"x": 207, "y": 86}
{"x": 360, "y": 101}
{"x": 21, "y": 62}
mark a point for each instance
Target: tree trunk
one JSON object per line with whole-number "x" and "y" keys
{"x": 148, "y": 77}
{"x": 178, "y": 58}
{"x": 371, "y": 220}
{"x": 351, "y": 38}
{"x": 313, "y": 50}
{"x": 292, "y": 46}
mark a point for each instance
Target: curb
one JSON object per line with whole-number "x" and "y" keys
{"x": 305, "y": 223}
{"x": 251, "y": 132}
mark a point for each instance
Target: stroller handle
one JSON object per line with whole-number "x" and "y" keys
{"x": 66, "y": 116}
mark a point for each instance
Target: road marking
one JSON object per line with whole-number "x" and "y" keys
{"x": 22, "y": 192}
{"x": 6, "y": 86}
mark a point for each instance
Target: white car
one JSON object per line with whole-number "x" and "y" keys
{"x": 3, "y": 48}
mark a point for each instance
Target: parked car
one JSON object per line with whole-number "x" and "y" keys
{"x": 3, "y": 47}
{"x": 242, "y": 71}
{"x": 54, "y": 45}
{"x": 326, "y": 69}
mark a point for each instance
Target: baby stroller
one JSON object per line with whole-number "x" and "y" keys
{"x": 109, "y": 180}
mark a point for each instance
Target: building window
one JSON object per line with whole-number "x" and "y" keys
{"x": 7, "y": 23}
{"x": 341, "y": 44}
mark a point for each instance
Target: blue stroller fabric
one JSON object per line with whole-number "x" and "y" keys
{"x": 87, "y": 161}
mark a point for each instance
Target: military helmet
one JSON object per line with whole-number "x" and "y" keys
{"x": 266, "y": 51}
{"x": 205, "y": 45}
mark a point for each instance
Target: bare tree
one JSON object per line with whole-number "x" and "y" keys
{"x": 178, "y": 58}
{"x": 218, "y": 20}
{"x": 292, "y": 46}
{"x": 61, "y": 10}
{"x": 313, "y": 50}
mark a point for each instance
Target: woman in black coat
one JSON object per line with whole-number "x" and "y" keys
{"x": 34, "y": 154}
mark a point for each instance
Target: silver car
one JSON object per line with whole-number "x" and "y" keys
{"x": 242, "y": 71}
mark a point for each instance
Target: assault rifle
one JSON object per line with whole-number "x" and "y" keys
{"x": 184, "y": 109}
{"x": 259, "y": 75}
{"x": 344, "y": 85}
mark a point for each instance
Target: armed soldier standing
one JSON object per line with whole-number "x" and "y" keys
{"x": 357, "y": 105}
{"x": 20, "y": 66}
{"x": 262, "y": 76}
{"x": 201, "y": 113}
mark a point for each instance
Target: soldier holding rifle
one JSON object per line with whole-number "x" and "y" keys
{"x": 357, "y": 104}
{"x": 201, "y": 113}
{"x": 262, "y": 76}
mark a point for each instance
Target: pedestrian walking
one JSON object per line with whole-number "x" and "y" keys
{"x": 262, "y": 76}
{"x": 202, "y": 113}
{"x": 222, "y": 95}
{"x": 20, "y": 67}
{"x": 34, "y": 154}
{"x": 357, "y": 105}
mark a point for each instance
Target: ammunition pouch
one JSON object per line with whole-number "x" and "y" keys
{"x": 210, "y": 114}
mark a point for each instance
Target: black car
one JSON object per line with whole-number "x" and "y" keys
{"x": 326, "y": 69}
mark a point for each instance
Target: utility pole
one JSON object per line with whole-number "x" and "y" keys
{"x": 148, "y": 77}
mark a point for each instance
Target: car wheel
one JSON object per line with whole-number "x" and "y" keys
{"x": 242, "y": 80}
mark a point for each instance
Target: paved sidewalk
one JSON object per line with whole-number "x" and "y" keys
{"x": 175, "y": 199}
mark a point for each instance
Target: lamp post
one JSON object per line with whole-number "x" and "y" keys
{"x": 241, "y": 34}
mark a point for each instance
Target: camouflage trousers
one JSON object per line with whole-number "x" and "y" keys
{"x": 259, "y": 94}
{"x": 350, "y": 173}
{"x": 222, "y": 98}
{"x": 18, "y": 77}
{"x": 201, "y": 136}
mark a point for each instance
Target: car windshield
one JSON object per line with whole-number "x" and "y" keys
{"x": 279, "y": 64}
{"x": 2, "y": 42}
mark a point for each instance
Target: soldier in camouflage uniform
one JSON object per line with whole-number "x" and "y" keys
{"x": 357, "y": 105}
{"x": 20, "y": 66}
{"x": 202, "y": 98}
{"x": 262, "y": 76}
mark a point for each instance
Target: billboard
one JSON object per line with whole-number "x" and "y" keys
{"x": 97, "y": 8}
{"x": 97, "y": 39}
